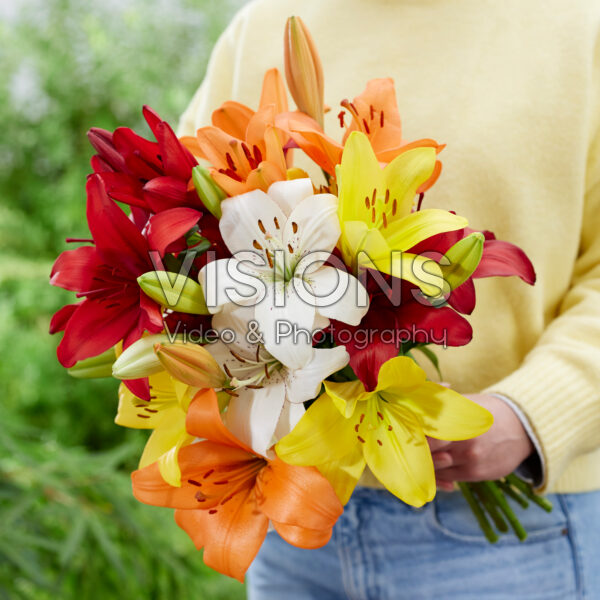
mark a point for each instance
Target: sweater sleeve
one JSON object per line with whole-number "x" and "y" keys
{"x": 558, "y": 384}
{"x": 218, "y": 84}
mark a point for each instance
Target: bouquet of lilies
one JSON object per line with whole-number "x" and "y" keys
{"x": 265, "y": 323}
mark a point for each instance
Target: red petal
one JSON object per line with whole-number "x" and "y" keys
{"x": 94, "y": 328}
{"x": 61, "y": 317}
{"x": 178, "y": 161}
{"x": 153, "y": 321}
{"x": 99, "y": 165}
{"x": 74, "y": 269}
{"x": 366, "y": 362}
{"x": 103, "y": 143}
{"x": 463, "y": 298}
{"x": 118, "y": 240}
{"x": 169, "y": 225}
{"x": 425, "y": 324}
{"x": 503, "y": 259}
{"x": 151, "y": 117}
{"x": 162, "y": 193}
{"x": 128, "y": 143}
{"x": 139, "y": 388}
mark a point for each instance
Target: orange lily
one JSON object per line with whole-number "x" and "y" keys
{"x": 244, "y": 147}
{"x": 375, "y": 113}
{"x": 229, "y": 494}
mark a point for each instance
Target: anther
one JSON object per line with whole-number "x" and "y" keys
{"x": 290, "y": 249}
{"x": 390, "y": 427}
{"x": 374, "y": 197}
{"x": 276, "y": 222}
{"x": 267, "y": 371}
{"x": 269, "y": 258}
{"x": 367, "y": 202}
{"x": 371, "y": 111}
{"x": 200, "y": 497}
{"x": 256, "y": 245}
{"x": 222, "y": 482}
{"x": 341, "y": 116}
{"x": 381, "y": 119}
{"x": 394, "y": 207}
{"x": 208, "y": 473}
{"x": 360, "y": 439}
{"x": 373, "y": 215}
{"x": 194, "y": 482}
{"x": 230, "y": 161}
{"x": 226, "y": 369}
{"x": 380, "y": 415}
{"x": 212, "y": 511}
{"x": 257, "y": 153}
{"x": 261, "y": 226}
{"x": 356, "y": 427}
{"x": 236, "y": 356}
{"x": 380, "y": 442}
{"x": 421, "y": 196}
{"x": 150, "y": 410}
{"x": 367, "y": 130}
{"x": 384, "y": 216}
{"x": 143, "y": 416}
{"x": 387, "y": 196}
{"x": 294, "y": 226}
{"x": 362, "y": 418}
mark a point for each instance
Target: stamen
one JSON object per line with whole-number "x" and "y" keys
{"x": 380, "y": 415}
{"x": 230, "y": 393}
{"x": 381, "y": 119}
{"x": 256, "y": 245}
{"x": 208, "y": 473}
{"x": 267, "y": 371}
{"x": 384, "y": 216}
{"x": 235, "y": 355}
{"x": 255, "y": 387}
{"x": 222, "y": 482}
{"x": 226, "y": 369}
{"x": 150, "y": 410}
{"x": 380, "y": 442}
{"x": 373, "y": 215}
{"x": 421, "y": 196}
{"x": 341, "y": 116}
{"x": 356, "y": 427}
{"x": 143, "y": 416}
{"x": 200, "y": 497}
{"x": 257, "y": 353}
{"x": 194, "y": 482}
{"x": 372, "y": 111}
{"x": 390, "y": 427}
{"x": 231, "y": 173}
{"x": 362, "y": 418}
{"x": 367, "y": 202}
{"x": 276, "y": 222}
{"x": 294, "y": 227}
{"x": 230, "y": 162}
{"x": 374, "y": 197}
{"x": 257, "y": 153}
{"x": 394, "y": 207}
{"x": 269, "y": 258}
{"x": 261, "y": 226}
{"x": 387, "y": 196}
{"x": 290, "y": 249}
{"x": 367, "y": 130}
{"x": 212, "y": 511}
{"x": 360, "y": 439}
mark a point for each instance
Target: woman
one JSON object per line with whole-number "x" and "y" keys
{"x": 513, "y": 89}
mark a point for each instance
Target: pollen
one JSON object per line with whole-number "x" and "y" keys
{"x": 276, "y": 222}
{"x": 380, "y": 442}
{"x": 208, "y": 473}
{"x": 380, "y": 415}
{"x": 194, "y": 482}
{"x": 294, "y": 227}
{"x": 360, "y": 439}
{"x": 366, "y": 126}
{"x": 256, "y": 245}
{"x": 381, "y": 119}
{"x": 261, "y": 226}
{"x": 367, "y": 202}
{"x": 290, "y": 249}
{"x": 341, "y": 116}
{"x": 394, "y": 207}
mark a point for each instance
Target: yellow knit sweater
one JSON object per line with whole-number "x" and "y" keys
{"x": 513, "y": 89}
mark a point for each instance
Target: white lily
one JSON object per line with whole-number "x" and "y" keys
{"x": 280, "y": 241}
{"x": 269, "y": 394}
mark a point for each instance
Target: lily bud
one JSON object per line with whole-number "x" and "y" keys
{"x": 208, "y": 191}
{"x": 303, "y": 70}
{"x": 191, "y": 364}
{"x": 139, "y": 360}
{"x": 96, "y": 366}
{"x": 174, "y": 291}
{"x": 463, "y": 259}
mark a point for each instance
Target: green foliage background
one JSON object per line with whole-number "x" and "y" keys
{"x": 69, "y": 527}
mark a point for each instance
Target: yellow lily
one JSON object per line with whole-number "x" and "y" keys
{"x": 384, "y": 429}
{"x": 375, "y": 212}
{"x": 165, "y": 413}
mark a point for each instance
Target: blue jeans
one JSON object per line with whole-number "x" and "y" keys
{"x": 383, "y": 549}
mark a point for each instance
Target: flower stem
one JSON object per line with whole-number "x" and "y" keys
{"x": 495, "y": 491}
{"x": 489, "y": 503}
{"x": 489, "y": 533}
{"x": 510, "y": 492}
{"x": 526, "y": 489}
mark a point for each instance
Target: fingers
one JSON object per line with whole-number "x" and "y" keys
{"x": 437, "y": 445}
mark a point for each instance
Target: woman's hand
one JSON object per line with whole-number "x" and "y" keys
{"x": 491, "y": 455}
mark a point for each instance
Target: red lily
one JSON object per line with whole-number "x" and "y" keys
{"x": 105, "y": 274}
{"x": 154, "y": 176}
{"x": 415, "y": 321}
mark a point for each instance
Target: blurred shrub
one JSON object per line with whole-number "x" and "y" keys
{"x": 69, "y": 525}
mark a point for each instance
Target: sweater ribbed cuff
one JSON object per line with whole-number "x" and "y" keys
{"x": 561, "y": 406}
